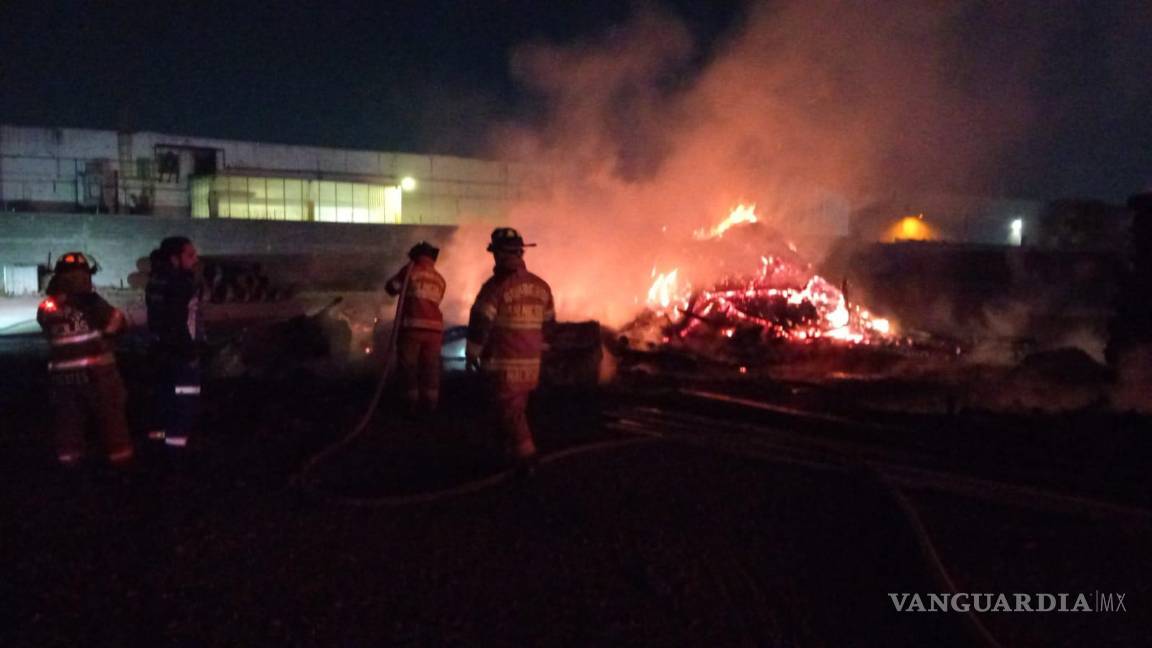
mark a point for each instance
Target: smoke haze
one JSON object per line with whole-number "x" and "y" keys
{"x": 808, "y": 110}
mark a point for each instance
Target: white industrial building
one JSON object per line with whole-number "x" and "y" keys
{"x": 68, "y": 170}
{"x": 115, "y": 195}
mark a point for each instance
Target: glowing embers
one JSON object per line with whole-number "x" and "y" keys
{"x": 781, "y": 302}
{"x": 776, "y": 304}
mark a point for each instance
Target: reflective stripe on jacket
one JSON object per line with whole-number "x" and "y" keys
{"x": 426, "y": 288}
{"x": 506, "y": 327}
{"x": 73, "y": 324}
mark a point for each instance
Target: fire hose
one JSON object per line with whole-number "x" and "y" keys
{"x": 473, "y": 486}
{"x": 891, "y": 478}
{"x": 869, "y": 469}
{"x": 302, "y": 478}
{"x": 638, "y": 434}
{"x": 928, "y": 552}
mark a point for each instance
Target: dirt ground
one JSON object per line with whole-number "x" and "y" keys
{"x": 658, "y": 543}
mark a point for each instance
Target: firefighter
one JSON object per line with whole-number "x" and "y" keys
{"x": 176, "y": 324}
{"x": 509, "y": 323}
{"x": 85, "y": 383}
{"x": 421, "y": 328}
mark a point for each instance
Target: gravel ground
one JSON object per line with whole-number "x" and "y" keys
{"x": 1000, "y": 548}
{"x": 654, "y": 544}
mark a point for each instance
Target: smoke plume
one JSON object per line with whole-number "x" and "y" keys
{"x": 808, "y": 109}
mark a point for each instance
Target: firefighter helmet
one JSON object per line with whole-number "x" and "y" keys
{"x": 507, "y": 239}
{"x": 425, "y": 249}
{"x": 74, "y": 261}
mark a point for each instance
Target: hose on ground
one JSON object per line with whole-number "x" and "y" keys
{"x": 908, "y": 511}
{"x": 301, "y": 478}
{"x": 929, "y": 553}
{"x": 473, "y": 486}
{"x": 931, "y": 558}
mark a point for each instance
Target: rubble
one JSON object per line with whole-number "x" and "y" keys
{"x": 280, "y": 347}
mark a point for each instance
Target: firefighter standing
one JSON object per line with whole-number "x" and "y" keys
{"x": 85, "y": 383}
{"x": 421, "y": 327}
{"x": 176, "y": 324}
{"x": 513, "y": 314}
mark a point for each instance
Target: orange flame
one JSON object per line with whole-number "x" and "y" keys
{"x": 663, "y": 290}
{"x": 740, "y": 214}
{"x": 734, "y": 300}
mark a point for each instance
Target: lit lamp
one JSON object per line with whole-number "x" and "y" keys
{"x": 1016, "y": 232}
{"x": 911, "y": 228}
{"x": 394, "y": 199}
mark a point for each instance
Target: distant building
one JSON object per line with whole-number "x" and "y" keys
{"x": 304, "y": 213}
{"x": 246, "y": 199}
{"x": 69, "y": 170}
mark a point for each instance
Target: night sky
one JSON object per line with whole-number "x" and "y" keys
{"x": 432, "y": 76}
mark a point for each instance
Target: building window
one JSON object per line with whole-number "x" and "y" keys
{"x": 295, "y": 201}
{"x": 144, "y": 168}
{"x": 168, "y": 165}
{"x": 270, "y": 198}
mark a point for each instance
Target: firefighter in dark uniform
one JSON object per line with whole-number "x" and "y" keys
{"x": 176, "y": 324}
{"x": 421, "y": 327}
{"x": 85, "y": 383}
{"x": 510, "y": 320}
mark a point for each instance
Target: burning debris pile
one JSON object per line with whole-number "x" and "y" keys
{"x": 782, "y": 302}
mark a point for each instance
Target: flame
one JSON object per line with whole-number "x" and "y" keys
{"x": 782, "y": 300}
{"x": 663, "y": 290}
{"x": 838, "y": 318}
{"x": 750, "y": 304}
{"x": 740, "y": 214}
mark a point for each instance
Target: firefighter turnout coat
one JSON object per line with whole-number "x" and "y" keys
{"x": 421, "y": 308}
{"x": 85, "y": 382}
{"x": 421, "y": 330}
{"x": 507, "y": 327}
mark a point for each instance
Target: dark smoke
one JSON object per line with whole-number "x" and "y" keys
{"x": 810, "y": 109}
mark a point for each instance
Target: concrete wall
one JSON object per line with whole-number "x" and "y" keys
{"x": 120, "y": 242}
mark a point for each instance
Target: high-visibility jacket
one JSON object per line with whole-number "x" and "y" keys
{"x": 508, "y": 323}
{"x": 74, "y": 325}
{"x": 421, "y": 309}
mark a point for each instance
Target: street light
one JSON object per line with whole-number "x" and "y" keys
{"x": 1016, "y": 229}
{"x": 408, "y": 183}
